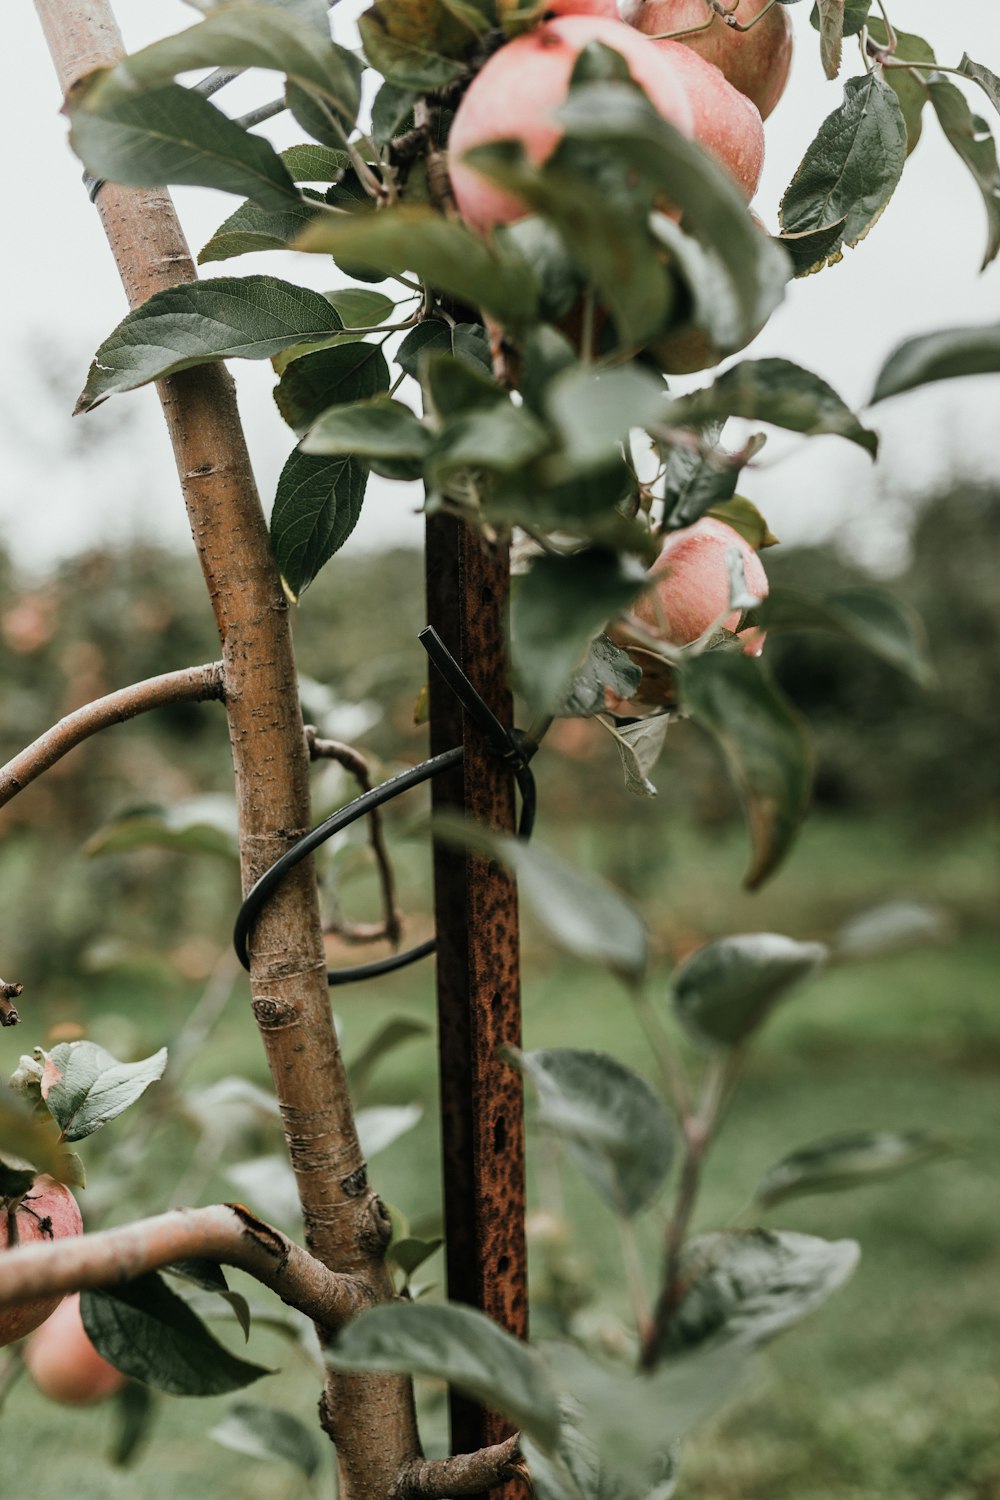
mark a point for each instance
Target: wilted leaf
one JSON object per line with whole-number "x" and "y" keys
{"x": 93, "y": 1087}
{"x": 831, "y": 34}
{"x": 847, "y": 1161}
{"x": 462, "y": 1346}
{"x": 615, "y": 1127}
{"x": 147, "y": 1331}
{"x": 728, "y": 988}
{"x": 607, "y": 666}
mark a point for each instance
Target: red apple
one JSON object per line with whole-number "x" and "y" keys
{"x": 47, "y": 1212}
{"x": 692, "y": 590}
{"x": 726, "y": 122}
{"x": 516, "y": 94}
{"x": 63, "y": 1362}
{"x": 756, "y": 62}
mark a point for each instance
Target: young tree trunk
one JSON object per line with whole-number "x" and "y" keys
{"x": 370, "y": 1418}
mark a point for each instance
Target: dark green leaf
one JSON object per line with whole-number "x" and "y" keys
{"x": 988, "y": 82}
{"x": 209, "y": 1276}
{"x": 247, "y": 317}
{"x": 147, "y": 1331}
{"x": 607, "y": 666}
{"x": 847, "y": 1161}
{"x": 776, "y": 391}
{"x": 594, "y": 411}
{"x": 851, "y": 169}
{"x": 393, "y": 1033}
{"x": 466, "y": 341}
{"x": 454, "y": 386}
{"x": 589, "y": 919}
{"x": 743, "y": 1288}
{"x": 542, "y": 247}
{"x": 391, "y": 109}
{"x": 331, "y": 377}
{"x": 268, "y": 1432}
{"x": 135, "y": 1408}
{"x": 463, "y": 1347}
{"x": 723, "y": 993}
{"x": 973, "y": 141}
{"x": 855, "y": 15}
{"x": 640, "y": 745}
{"x": 440, "y": 251}
{"x": 410, "y": 1254}
{"x": 870, "y": 617}
{"x": 557, "y": 610}
{"x": 909, "y": 85}
{"x": 205, "y": 825}
{"x": 245, "y": 35}
{"x": 252, "y": 228}
{"x": 810, "y": 249}
{"x": 94, "y": 1087}
{"x": 830, "y": 15}
{"x": 769, "y": 758}
{"x": 696, "y": 479}
{"x": 945, "y": 355}
{"x": 614, "y": 1125}
{"x": 173, "y": 135}
{"x": 499, "y": 440}
{"x": 419, "y": 47}
{"x": 316, "y": 507}
{"x": 313, "y": 163}
{"x": 379, "y": 432}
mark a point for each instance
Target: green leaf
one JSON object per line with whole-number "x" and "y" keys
{"x": 776, "y": 391}
{"x": 360, "y": 307}
{"x": 462, "y": 1346}
{"x": 147, "y": 1331}
{"x": 379, "y": 1128}
{"x": 499, "y": 440}
{"x": 606, "y": 666}
{"x": 135, "y": 1409}
{"x": 174, "y": 135}
{"x": 316, "y": 507}
{"x": 380, "y": 432}
{"x": 418, "y": 46}
{"x": 411, "y": 1253}
{"x": 94, "y": 1087}
{"x": 830, "y": 14}
{"x": 847, "y": 1161}
{"x": 393, "y": 1033}
{"x": 743, "y": 516}
{"x": 616, "y": 1128}
{"x": 314, "y": 163}
{"x": 972, "y": 139}
{"x": 331, "y": 377}
{"x": 851, "y": 169}
{"x": 247, "y": 317}
{"x": 713, "y": 206}
{"x": 243, "y": 35}
{"x": 392, "y": 107}
{"x": 891, "y": 927}
{"x": 252, "y": 228}
{"x": 855, "y": 15}
{"x": 695, "y": 479}
{"x": 584, "y": 916}
{"x": 732, "y": 697}
{"x": 594, "y": 411}
{"x": 640, "y": 746}
{"x": 209, "y": 1276}
{"x": 870, "y": 617}
{"x": 988, "y": 81}
{"x": 909, "y": 86}
{"x": 466, "y": 341}
{"x": 558, "y": 609}
{"x": 203, "y": 825}
{"x": 268, "y": 1432}
{"x": 440, "y": 251}
{"x": 31, "y": 1142}
{"x": 945, "y": 355}
{"x": 538, "y": 242}
{"x": 725, "y": 992}
{"x": 744, "y": 1288}
{"x": 810, "y": 249}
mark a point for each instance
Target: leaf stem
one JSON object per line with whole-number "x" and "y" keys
{"x": 671, "y": 1068}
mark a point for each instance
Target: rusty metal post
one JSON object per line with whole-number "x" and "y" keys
{"x": 478, "y": 979}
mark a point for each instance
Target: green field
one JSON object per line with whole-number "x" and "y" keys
{"x": 890, "y": 1393}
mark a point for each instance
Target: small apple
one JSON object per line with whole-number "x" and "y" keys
{"x": 756, "y": 62}
{"x": 692, "y": 589}
{"x": 48, "y": 1211}
{"x": 516, "y": 94}
{"x": 726, "y": 122}
{"x": 63, "y": 1362}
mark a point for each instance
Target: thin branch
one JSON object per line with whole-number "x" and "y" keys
{"x": 192, "y": 685}
{"x": 8, "y": 994}
{"x": 466, "y": 1474}
{"x": 391, "y": 926}
{"x": 227, "y": 1233}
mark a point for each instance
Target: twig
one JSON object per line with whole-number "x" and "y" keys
{"x": 223, "y": 1232}
{"x": 8, "y": 994}
{"x": 192, "y": 685}
{"x": 391, "y": 926}
{"x": 466, "y": 1474}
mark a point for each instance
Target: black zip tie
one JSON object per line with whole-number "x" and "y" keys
{"x": 510, "y": 746}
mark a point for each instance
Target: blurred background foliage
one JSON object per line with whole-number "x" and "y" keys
{"x": 893, "y": 1391}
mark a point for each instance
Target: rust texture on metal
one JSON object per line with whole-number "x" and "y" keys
{"x": 478, "y": 980}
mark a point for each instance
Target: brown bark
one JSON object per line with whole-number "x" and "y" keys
{"x": 370, "y": 1418}
{"x": 191, "y": 685}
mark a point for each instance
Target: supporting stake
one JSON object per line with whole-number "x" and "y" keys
{"x": 478, "y": 978}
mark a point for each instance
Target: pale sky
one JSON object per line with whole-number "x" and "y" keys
{"x": 67, "y": 483}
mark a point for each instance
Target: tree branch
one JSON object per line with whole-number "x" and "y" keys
{"x": 224, "y": 1232}
{"x": 192, "y": 685}
{"x": 466, "y": 1474}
